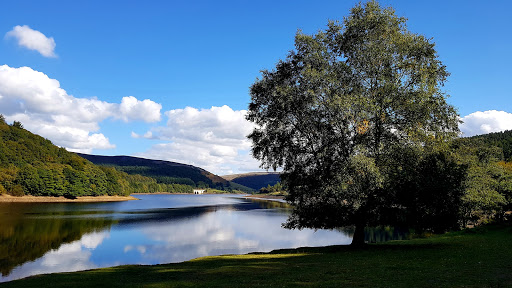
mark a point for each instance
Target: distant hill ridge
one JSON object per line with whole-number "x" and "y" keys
{"x": 164, "y": 171}
{"x": 254, "y": 180}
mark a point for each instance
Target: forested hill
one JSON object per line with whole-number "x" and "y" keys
{"x": 31, "y": 164}
{"x": 164, "y": 171}
{"x": 256, "y": 180}
{"x": 499, "y": 139}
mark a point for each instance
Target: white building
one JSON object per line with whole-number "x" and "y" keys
{"x": 199, "y": 191}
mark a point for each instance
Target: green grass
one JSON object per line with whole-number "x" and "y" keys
{"x": 473, "y": 258}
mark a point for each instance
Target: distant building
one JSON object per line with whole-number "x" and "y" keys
{"x": 199, "y": 191}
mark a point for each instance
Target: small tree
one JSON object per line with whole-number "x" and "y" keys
{"x": 17, "y": 124}
{"x": 343, "y": 103}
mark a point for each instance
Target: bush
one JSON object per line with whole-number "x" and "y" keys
{"x": 17, "y": 190}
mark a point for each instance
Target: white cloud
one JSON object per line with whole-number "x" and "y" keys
{"x": 486, "y": 122}
{"x": 133, "y": 109}
{"x": 33, "y": 40}
{"x": 147, "y": 135}
{"x": 214, "y": 139}
{"x": 44, "y": 108}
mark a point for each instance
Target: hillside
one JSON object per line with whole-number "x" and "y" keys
{"x": 32, "y": 165}
{"x": 499, "y": 139}
{"x": 254, "y": 180}
{"x": 165, "y": 172}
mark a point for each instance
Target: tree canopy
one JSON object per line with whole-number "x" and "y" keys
{"x": 338, "y": 112}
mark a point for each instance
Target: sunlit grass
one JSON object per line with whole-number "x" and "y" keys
{"x": 476, "y": 258}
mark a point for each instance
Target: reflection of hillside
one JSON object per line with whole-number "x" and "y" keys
{"x": 24, "y": 239}
{"x": 177, "y": 214}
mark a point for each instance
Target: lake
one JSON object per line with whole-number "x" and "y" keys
{"x": 37, "y": 238}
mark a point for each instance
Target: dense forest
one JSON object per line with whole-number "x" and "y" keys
{"x": 502, "y": 140}
{"x": 32, "y": 165}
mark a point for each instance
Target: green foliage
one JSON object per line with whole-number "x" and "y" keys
{"x": 343, "y": 102}
{"x": 32, "y": 165}
{"x": 428, "y": 188}
{"x": 487, "y": 184}
{"x": 277, "y": 189}
{"x": 502, "y": 140}
{"x": 17, "y": 124}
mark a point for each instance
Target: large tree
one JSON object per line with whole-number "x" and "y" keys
{"x": 337, "y": 112}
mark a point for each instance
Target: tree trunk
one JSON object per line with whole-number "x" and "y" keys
{"x": 358, "y": 239}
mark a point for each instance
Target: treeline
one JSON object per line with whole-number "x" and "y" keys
{"x": 467, "y": 182}
{"x": 147, "y": 171}
{"x": 142, "y": 184}
{"x": 32, "y": 165}
{"x": 488, "y": 180}
{"x": 502, "y": 140}
{"x": 277, "y": 189}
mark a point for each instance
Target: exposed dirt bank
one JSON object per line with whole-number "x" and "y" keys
{"x": 46, "y": 199}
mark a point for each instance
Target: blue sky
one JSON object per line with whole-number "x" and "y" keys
{"x": 170, "y": 79}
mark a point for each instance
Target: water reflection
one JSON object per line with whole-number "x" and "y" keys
{"x": 380, "y": 233}
{"x": 72, "y": 256}
{"x": 25, "y": 237}
{"x": 37, "y": 239}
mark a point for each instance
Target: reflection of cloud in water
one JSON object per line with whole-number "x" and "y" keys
{"x": 140, "y": 248}
{"x": 229, "y": 232}
{"x": 93, "y": 240}
{"x": 73, "y": 256}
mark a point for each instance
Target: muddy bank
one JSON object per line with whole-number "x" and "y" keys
{"x": 46, "y": 199}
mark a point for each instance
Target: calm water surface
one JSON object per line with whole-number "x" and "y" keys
{"x": 40, "y": 238}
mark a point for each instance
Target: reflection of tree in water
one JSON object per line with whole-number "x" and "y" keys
{"x": 380, "y": 234}
{"x": 269, "y": 204}
{"x": 24, "y": 239}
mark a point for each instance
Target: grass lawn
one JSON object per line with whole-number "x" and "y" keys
{"x": 479, "y": 257}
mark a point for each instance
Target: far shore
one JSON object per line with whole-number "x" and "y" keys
{"x": 268, "y": 197}
{"x": 5, "y": 198}
{"x": 48, "y": 199}
{"x": 254, "y": 196}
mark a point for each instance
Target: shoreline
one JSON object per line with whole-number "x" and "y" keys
{"x": 5, "y": 198}
{"x": 266, "y": 197}
{"x": 49, "y": 199}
